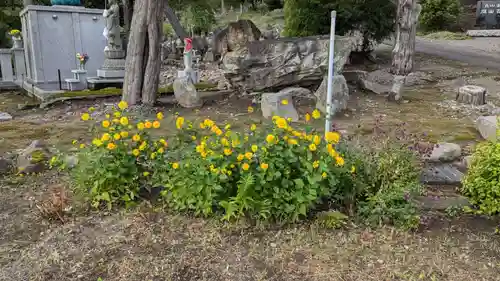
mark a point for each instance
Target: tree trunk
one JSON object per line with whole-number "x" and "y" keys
{"x": 132, "y": 83}
{"x": 153, "y": 63}
{"x": 406, "y": 28}
{"x": 175, "y": 23}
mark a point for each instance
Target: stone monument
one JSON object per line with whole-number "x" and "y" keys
{"x": 114, "y": 52}
{"x": 184, "y": 85}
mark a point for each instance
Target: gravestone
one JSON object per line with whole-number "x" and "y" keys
{"x": 278, "y": 104}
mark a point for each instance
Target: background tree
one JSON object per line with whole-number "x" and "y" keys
{"x": 142, "y": 66}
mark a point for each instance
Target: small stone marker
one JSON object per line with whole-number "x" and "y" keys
{"x": 471, "y": 94}
{"x": 4, "y": 116}
{"x": 441, "y": 173}
{"x": 340, "y": 95}
{"x": 487, "y": 127}
{"x": 279, "y": 104}
{"x": 185, "y": 93}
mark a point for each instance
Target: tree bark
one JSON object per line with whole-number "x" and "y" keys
{"x": 132, "y": 83}
{"x": 153, "y": 63}
{"x": 406, "y": 29}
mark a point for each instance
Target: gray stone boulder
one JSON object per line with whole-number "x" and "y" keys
{"x": 340, "y": 94}
{"x": 487, "y": 127}
{"x": 4, "y": 116}
{"x": 185, "y": 93}
{"x": 270, "y": 65}
{"x": 234, "y": 37}
{"x": 5, "y": 166}
{"x": 33, "y": 159}
{"x": 278, "y": 104}
{"x": 445, "y": 152}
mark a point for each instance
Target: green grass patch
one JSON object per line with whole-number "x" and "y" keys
{"x": 445, "y": 35}
{"x": 202, "y": 86}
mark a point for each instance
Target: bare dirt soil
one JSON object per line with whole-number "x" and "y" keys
{"x": 149, "y": 244}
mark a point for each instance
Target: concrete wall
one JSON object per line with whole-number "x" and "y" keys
{"x": 54, "y": 34}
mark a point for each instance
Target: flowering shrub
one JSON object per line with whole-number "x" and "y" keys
{"x": 267, "y": 172}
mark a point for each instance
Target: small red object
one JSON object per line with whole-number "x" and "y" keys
{"x": 188, "y": 44}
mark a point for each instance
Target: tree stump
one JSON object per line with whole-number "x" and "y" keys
{"x": 471, "y": 94}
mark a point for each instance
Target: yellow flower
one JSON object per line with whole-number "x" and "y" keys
{"x": 292, "y": 142}
{"x": 264, "y": 166}
{"x": 332, "y": 137}
{"x": 82, "y": 145}
{"x": 111, "y": 146}
{"x": 284, "y": 102}
{"x": 117, "y": 136}
{"x": 115, "y": 121}
{"x": 245, "y": 166}
{"x": 339, "y": 160}
{"x": 331, "y": 150}
{"x": 156, "y": 124}
{"x": 161, "y": 150}
{"x": 85, "y": 116}
{"x": 153, "y": 155}
{"x": 159, "y": 116}
{"x": 164, "y": 142}
{"x": 248, "y": 155}
{"x": 97, "y": 142}
{"x": 74, "y": 142}
{"x": 91, "y": 109}
{"x": 145, "y": 174}
{"x": 218, "y": 132}
{"x": 124, "y": 134}
{"x": 317, "y": 140}
{"x": 270, "y": 139}
{"x": 175, "y": 165}
{"x": 136, "y": 152}
{"x": 323, "y": 175}
{"x": 240, "y": 157}
{"x": 193, "y": 137}
{"x": 105, "y": 124}
{"x": 312, "y": 147}
{"x": 208, "y": 123}
{"x": 316, "y": 114}
{"x": 148, "y": 125}
{"x": 228, "y": 151}
{"x": 253, "y": 127}
{"x": 140, "y": 126}
{"x": 108, "y": 116}
{"x": 123, "y": 105}
{"x": 227, "y": 127}
{"x": 353, "y": 169}
{"x": 308, "y": 117}
{"x": 202, "y": 126}
{"x": 224, "y": 142}
{"x": 136, "y": 138}
{"x": 255, "y": 148}
{"x": 315, "y": 164}
{"x": 106, "y": 137}
{"x": 179, "y": 122}
{"x": 235, "y": 143}
{"x": 143, "y": 145}
{"x": 124, "y": 121}
{"x": 281, "y": 123}
{"x": 250, "y": 109}
{"x": 117, "y": 114}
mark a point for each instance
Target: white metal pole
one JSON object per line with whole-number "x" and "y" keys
{"x": 331, "y": 70}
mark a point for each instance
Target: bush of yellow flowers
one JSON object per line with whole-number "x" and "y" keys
{"x": 272, "y": 171}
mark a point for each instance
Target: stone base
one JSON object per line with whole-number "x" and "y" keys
{"x": 279, "y": 104}
{"x": 108, "y": 73}
{"x": 193, "y": 73}
{"x": 484, "y": 33}
{"x": 113, "y": 64}
{"x": 96, "y": 83}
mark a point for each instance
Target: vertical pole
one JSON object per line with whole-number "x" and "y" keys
{"x": 331, "y": 70}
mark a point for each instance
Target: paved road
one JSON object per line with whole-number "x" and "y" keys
{"x": 479, "y": 52}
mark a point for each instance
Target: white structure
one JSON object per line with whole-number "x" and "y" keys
{"x": 52, "y": 36}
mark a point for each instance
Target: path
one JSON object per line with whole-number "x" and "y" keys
{"x": 477, "y": 51}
